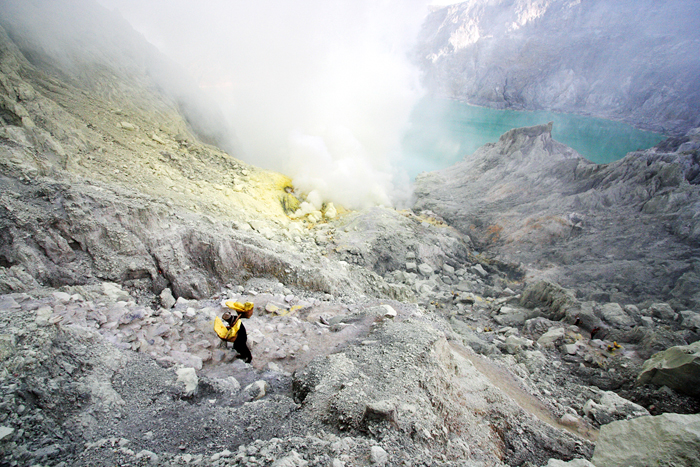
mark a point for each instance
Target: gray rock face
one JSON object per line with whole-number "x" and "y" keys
{"x": 677, "y": 368}
{"x": 668, "y": 439}
{"x": 589, "y": 227}
{"x": 339, "y": 385}
{"x": 601, "y": 57}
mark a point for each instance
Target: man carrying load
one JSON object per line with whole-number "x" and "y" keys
{"x": 230, "y": 328}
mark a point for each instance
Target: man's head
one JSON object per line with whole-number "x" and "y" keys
{"x": 226, "y": 316}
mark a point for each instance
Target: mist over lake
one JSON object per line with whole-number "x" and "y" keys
{"x": 443, "y": 131}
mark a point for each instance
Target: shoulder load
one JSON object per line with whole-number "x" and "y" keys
{"x": 245, "y": 310}
{"x": 223, "y": 332}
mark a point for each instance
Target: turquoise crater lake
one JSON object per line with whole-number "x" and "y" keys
{"x": 442, "y": 131}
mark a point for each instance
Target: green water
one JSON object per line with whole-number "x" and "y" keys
{"x": 443, "y": 131}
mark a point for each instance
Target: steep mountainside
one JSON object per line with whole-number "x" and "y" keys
{"x": 635, "y": 61}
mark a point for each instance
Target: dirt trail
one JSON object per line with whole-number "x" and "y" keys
{"x": 507, "y": 383}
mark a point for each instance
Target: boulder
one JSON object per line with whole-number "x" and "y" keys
{"x": 551, "y": 297}
{"x": 255, "y": 391}
{"x": 667, "y": 439}
{"x": 550, "y": 337}
{"x": 585, "y": 317}
{"x": 378, "y": 456}
{"x": 616, "y": 316}
{"x": 662, "y": 311}
{"x": 611, "y": 407}
{"x": 512, "y": 316}
{"x": 166, "y": 299}
{"x": 691, "y": 320}
{"x": 677, "y": 368}
{"x": 515, "y": 344}
{"x": 425, "y": 269}
{"x": 188, "y": 377}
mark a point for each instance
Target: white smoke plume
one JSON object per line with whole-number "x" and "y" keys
{"x": 319, "y": 90}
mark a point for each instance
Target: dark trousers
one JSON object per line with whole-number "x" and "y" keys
{"x": 240, "y": 345}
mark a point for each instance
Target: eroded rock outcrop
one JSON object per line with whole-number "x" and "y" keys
{"x": 599, "y": 229}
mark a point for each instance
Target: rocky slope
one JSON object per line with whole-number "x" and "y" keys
{"x": 630, "y": 61}
{"x": 626, "y": 231}
{"x": 379, "y": 337}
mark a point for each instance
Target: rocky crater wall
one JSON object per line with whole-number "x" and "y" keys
{"x": 630, "y": 61}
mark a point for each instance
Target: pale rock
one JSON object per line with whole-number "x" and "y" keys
{"x": 570, "y": 420}
{"x": 512, "y": 316}
{"x": 389, "y": 311}
{"x": 550, "y": 337}
{"x": 662, "y": 311}
{"x": 677, "y": 367}
{"x": 43, "y": 314}
{"x": 667, "y": 439}
{"x": 115, "y": 292}
{"x": 221, "y": 455}
{"x": 611, "y": 407}
{"x": 378, "y": 456}
{"x": 61, "y": 297}
{"x": 255, "y": 391}
{"x": 571, "y": 463}
{"x": 381, "y": 410}
{"x": 449, "y": 270}
{"x": 425, "y": 269}
{"x": 315, "y": 216}
{"x": 296, "y": 228}
{"x": 305, "y": 208}
{"x": 691, "y": 320}
{"x": 188, "y": 377}
{"x": 6, "y": 432}
{"x": 479, "y": 269}
{"x": 292, "y": 460}
{"x": 127, "y": 126}
{"x": 157, "y": 139}
{"x": 187, "y": 359}
{"x": 411, "y": 266}
{"x": 616, "y": 316}
{"x": 331, "y": 212}
{"x": 515, "y": 344}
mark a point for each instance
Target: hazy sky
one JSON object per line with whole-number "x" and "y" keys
{"x": 320, "y": 90}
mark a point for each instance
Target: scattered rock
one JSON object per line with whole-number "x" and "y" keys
{"x": 611, "y": 407}
{"x": 616, "y": 316}
{"x": 292, "y": 460}
{"x": 6, "y": 432}
{"x": 378, "y": 456}
{"x": 188, "y": 377}
{"x": 166, "y": 299}
{"x": 662, "y": 311}
{"x": 551, "y": 337}
{"x": 255, "y": 391}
